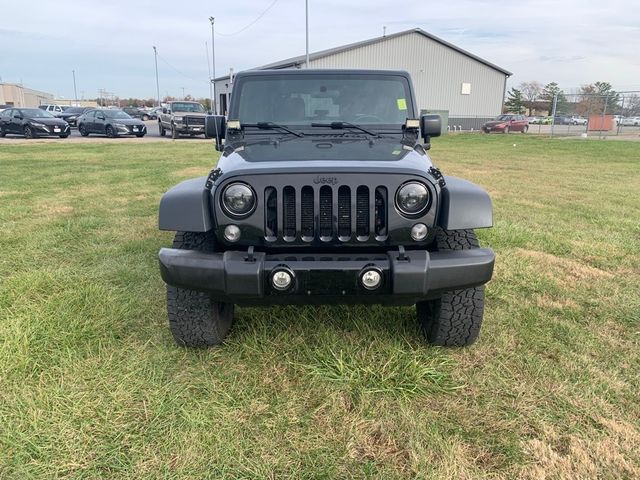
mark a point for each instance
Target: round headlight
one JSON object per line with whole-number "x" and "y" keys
{"x": 238, "y": 199}
{"x": 412, "y": 198}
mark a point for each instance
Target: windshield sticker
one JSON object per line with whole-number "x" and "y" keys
{"x": 402, "y": 104}
{"x": 396, "y": 152}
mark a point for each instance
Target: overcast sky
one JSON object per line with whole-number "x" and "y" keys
{"x": 109, "y": 44}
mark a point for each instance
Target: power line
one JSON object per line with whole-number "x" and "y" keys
{"x": 250, "y": 24}
{"x": 178, "y": 71}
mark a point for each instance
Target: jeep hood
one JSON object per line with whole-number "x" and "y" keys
{"x": 324, "y": 155}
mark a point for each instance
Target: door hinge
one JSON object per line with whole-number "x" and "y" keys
{"x": 437, "y": 174}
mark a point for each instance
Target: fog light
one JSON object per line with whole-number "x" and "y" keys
{"x": 419, "y": 232}
{"x": 281, "y": 280}
{"x": 232, "y": 233}
{"x": 371, "y": 279}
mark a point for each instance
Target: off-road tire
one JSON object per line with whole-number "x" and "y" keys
{"x": 83, "y": 131}
{"x": 163, "y": 132}
{"x": 194, "y": 319}
{"x": 453, "y": 320}
{"x": 111, "y": 133}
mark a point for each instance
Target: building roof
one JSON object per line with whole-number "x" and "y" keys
{"x": 300, "y": 59}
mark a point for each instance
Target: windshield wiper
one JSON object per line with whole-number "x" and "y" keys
{"x": 273, "y": 126}
{"x": 342, "y": 125}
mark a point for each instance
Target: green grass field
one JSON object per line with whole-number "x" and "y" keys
{"x": 92, "y": 385}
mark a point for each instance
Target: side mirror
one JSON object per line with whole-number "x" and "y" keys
{"x": 100, "y": 116}
{"x": 430, "y": 126}
{"x": 164, "y": 110}
{"x": 216, "y": 127}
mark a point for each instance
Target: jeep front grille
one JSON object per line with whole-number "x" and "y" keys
{"x": 325, "y": 213}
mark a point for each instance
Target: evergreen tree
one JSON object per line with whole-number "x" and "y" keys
{"x": 515, "y": 101}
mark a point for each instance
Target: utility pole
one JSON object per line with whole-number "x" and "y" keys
{"x": 75, "y": 91}
{"x": 183, "y": 97}
{"x": 206, "y": 51}
{"x": 384, "y": 30}
{"x": 214, "y": 105}
{"x": 306, "y": 14}
{"x": 155, "y": 53}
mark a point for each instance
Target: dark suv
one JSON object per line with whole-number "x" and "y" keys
{"x": 325, "y": 193}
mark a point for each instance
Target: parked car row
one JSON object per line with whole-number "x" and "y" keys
{"x": 38, "y": 122}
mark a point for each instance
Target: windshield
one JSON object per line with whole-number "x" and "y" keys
{"x": 74, "y": 110}
{"x": 115, "y": 114}
{"x": 303, "y": 99}
{"x": 187, "y": 107}
{"x": 35, "y": 113}
{"x": 504, "y": 117}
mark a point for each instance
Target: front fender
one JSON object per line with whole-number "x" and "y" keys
{"x": 464, "y": 205}
{"x": 186, "y": 207}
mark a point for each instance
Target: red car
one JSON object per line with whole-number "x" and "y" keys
{"x": 506, "y": 124}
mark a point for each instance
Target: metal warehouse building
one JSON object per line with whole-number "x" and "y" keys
{"x": 445, "y": 77}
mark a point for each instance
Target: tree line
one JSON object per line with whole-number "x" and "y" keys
{"x": 532, "y": 97}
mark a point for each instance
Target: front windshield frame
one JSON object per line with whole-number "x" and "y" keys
{"x": 198, "y": 108}
{"x": 408, "y": 100}
{"x": 505, "y": 117}
{"x": 35, "y": 113}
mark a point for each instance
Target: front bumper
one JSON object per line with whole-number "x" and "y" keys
{"x": 190, "y": 129}
{"x": 245, "y": 278}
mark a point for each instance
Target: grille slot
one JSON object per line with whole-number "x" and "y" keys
{"x": 307, "y": 212}
{"x": 271, "y": 213}
{"x": 381, "y": 211}
{"x": 289, "y": 210}
{"x": 326, "y": 212}
{"x": 362, "y": 211}
{"x": 344, "y": 212}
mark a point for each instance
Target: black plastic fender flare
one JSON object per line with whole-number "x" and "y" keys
{"x": 186, "y": 207}
{"x": 464, "y": 205}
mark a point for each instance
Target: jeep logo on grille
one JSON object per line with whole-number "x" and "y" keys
{"x": 325, "y": 180}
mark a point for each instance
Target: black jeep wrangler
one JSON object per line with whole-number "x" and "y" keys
{"x": 324, "y": 193}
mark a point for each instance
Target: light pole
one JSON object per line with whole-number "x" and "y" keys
{"x": 213, "y": 66}
{"x": 155, "y": 54}
{"x": 306, "y": 14}
{"x": 75, "y": 92}
{"x": 206, "y": 51}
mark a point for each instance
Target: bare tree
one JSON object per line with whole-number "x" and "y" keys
{"x": 531, "y": 92}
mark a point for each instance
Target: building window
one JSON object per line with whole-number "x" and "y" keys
{"x": 466, "y": 89}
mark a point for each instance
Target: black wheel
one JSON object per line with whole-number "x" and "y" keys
{"x": 506, "y": 130}
{"x": 174, "y": 132}
{"x": 145, "y": 118}
{"x": 83, "y": 131}
{"x": 454, "y": 319}
{"x": 2, "y": 132}
{"x": 525, "y": 129}
{"x": 194, "y": 319}
{"x": 111, "y": 133}
{"x": 163, "y": 132}
{"x": 28, "y": 132}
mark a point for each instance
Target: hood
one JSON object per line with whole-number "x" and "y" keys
{"x": 493, "y": 123}
{"x": 324, "y": 155}
{"x": 48, "y": 121}
{"x": 128, "y": 121}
